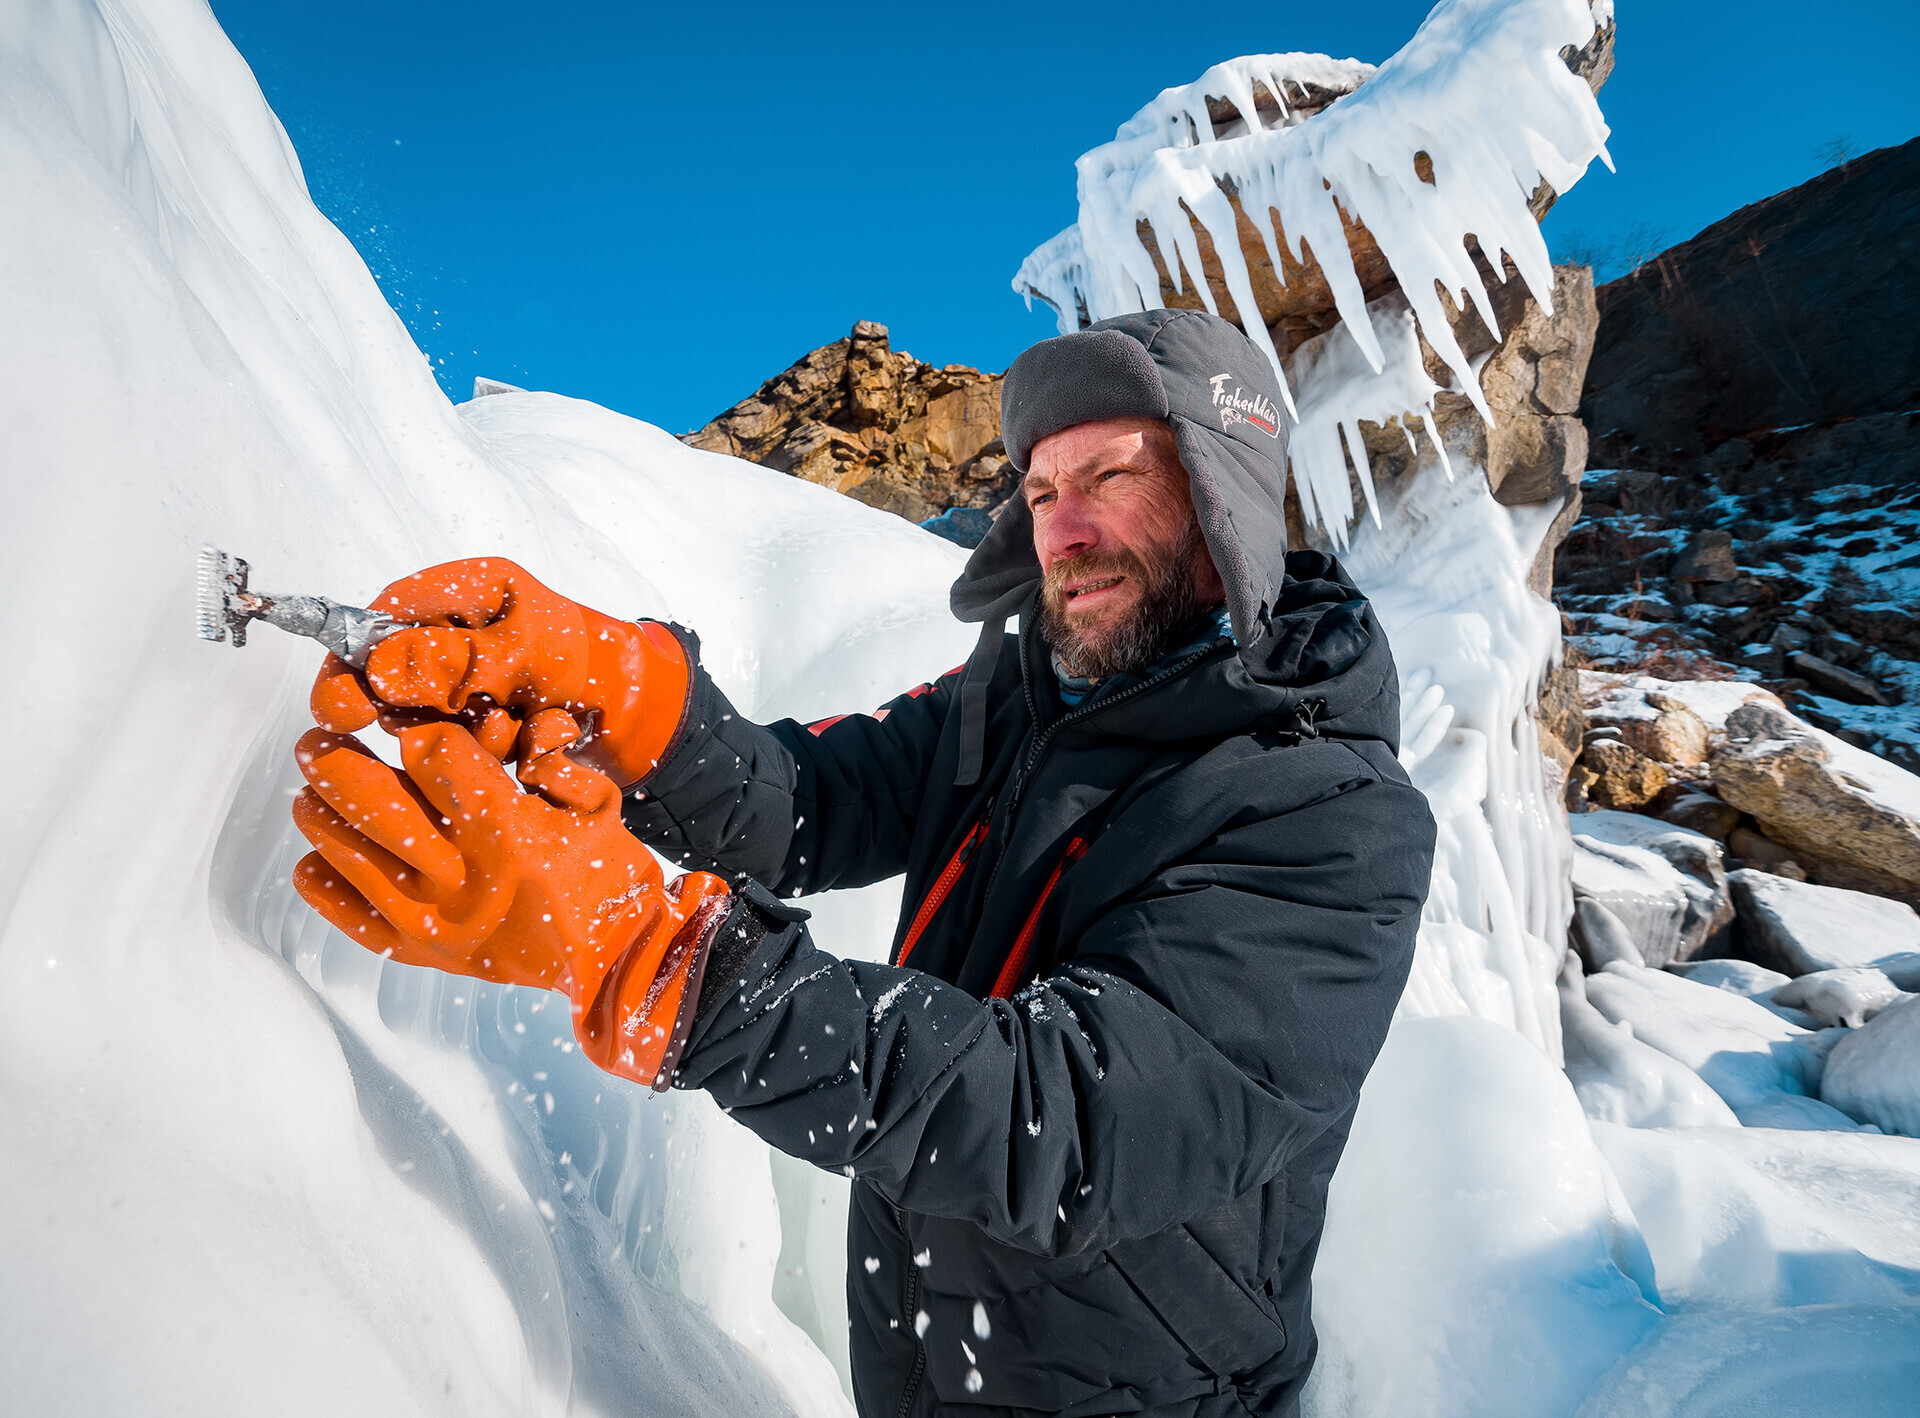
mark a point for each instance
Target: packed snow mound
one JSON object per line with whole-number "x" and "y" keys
{"x": 266, "y": 1169}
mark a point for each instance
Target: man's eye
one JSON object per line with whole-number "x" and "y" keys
{"x": 1040, "y": 498}
{"x": 1111, "y": 473}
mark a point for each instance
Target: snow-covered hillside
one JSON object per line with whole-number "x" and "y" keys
{"x": 247, "y": 1166}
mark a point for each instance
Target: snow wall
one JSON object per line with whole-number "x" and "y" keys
{"x": 247, "y": 1165}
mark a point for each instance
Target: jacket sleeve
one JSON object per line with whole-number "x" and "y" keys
{"x": 1215, "y": 1021}
{"x": 801, "y": 808}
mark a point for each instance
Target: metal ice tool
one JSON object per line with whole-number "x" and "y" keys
{"x": 226, "y": 605}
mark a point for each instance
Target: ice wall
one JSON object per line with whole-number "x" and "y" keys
{"x": 247, "y": 1166}
{"x": 1480, "y": 1257}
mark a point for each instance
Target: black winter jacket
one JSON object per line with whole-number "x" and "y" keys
{"x": 1103, "y": 1194}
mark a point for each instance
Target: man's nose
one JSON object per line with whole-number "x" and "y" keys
{"x": 1071, "y": 530}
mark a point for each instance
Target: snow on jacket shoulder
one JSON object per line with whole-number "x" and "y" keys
{"x": 1149, "y": 958}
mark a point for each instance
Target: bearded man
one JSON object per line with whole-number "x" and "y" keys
{"x": 1163, "y": 877}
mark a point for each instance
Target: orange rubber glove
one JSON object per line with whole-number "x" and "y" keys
{"x": 451, "y": 865}
{"x": 490, "y": 646}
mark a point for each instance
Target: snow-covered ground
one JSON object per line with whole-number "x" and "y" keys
{"x": 245, "y": 1165}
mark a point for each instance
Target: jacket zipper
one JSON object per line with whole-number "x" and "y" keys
{"x": 913, "y": 1297}
{"x": 1016, "y": 965}
{"x": 1073, "y": 716}
{"x": 943, "y": 885}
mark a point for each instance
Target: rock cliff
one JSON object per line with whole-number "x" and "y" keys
{"x": 876, "y": 424}
{"x": 1753, "y": 501}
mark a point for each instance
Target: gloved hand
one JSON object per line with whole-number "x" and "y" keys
{"x": 491, "y": 647}
{"x": 451, "y": 865}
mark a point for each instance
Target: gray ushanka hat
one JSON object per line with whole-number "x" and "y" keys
{"x": 1219, "y": 395}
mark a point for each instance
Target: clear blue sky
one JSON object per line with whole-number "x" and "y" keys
{"x": 657, "y": 208}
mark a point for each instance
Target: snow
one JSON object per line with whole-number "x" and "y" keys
{"x": 1747, "y": 1054}
{"x": 1480, "y": 88}
{"x": 1625, "y": 696}
{"x": 1757, "y": 1217}
{"x": 1838, "y": 1361}
{"x": 1478, "y": 1258}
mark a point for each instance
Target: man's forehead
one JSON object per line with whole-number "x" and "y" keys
{"x": 1132, "y": 440}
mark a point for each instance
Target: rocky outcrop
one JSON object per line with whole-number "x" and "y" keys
{"x": 1799, "y": 309}
{"x": 1536, "y": 450}
{"x": 1849, "y": 818}
{"x": 1753, "y": 503}
{"x": 878, "y": 425}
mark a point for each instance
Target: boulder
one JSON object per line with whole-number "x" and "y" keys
{"x": 878, "y": 425}
{"x": 1837, "y": 681}
{"x": 1873, "y": 1075}
{"x": 1846, "y": 998}
{"x": 1702, "y": 813}
{"x": 1619, "y": 776}
{"x": 1762, "y": 853}
{"x": 1850, "y": 818}
{"x": 1708, "y": 558}
{"x": 1799, "y": 928}
{"x": 1658, "y": 726}
{"x": 1610, "y": 846}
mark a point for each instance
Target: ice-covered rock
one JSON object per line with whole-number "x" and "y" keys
{"x": 1848, "y": 997}
{"x": 1851, "y": 818}
{"x": 1740, "y": 977}
{"x": 1661, "y": 726}
{"x": 1749, "y": 1056}
{"x": 1744, "y": 978}
{"x": 1618, "y": 1079}
{"x": 1601, "y": 937}
{"x": 1665, "y": 884}
{"x": 1478, "y": 1261}
{"x": 1874, "y": 1075}
{"x": 1800, "y": 927}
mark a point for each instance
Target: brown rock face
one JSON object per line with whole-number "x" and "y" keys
{"x": 1619, "y": 776}
{"x": 1775, "y": 769}
{"x": 880, "y": 426}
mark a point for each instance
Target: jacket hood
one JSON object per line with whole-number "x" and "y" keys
{"x": 1219, "y": 396}
{"x": 1202, "y": 377}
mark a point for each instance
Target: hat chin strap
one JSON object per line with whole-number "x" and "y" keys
{"x": 978, "y": 678}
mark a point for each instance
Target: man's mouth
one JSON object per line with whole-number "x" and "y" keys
{"x": 1091, "y": 588}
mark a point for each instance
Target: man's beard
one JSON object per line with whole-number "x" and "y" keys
{"x": 1168, "y": 601}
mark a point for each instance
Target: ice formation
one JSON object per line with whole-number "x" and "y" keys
{"x": 1480, "y": 90}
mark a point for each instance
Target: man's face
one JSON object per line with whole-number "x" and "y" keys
{"x": 1120, "y": 549}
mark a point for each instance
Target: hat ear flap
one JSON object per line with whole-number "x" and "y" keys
{"x": 1002, "y": 569}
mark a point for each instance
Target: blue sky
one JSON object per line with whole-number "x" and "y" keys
{"x": 659, "y": 208}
